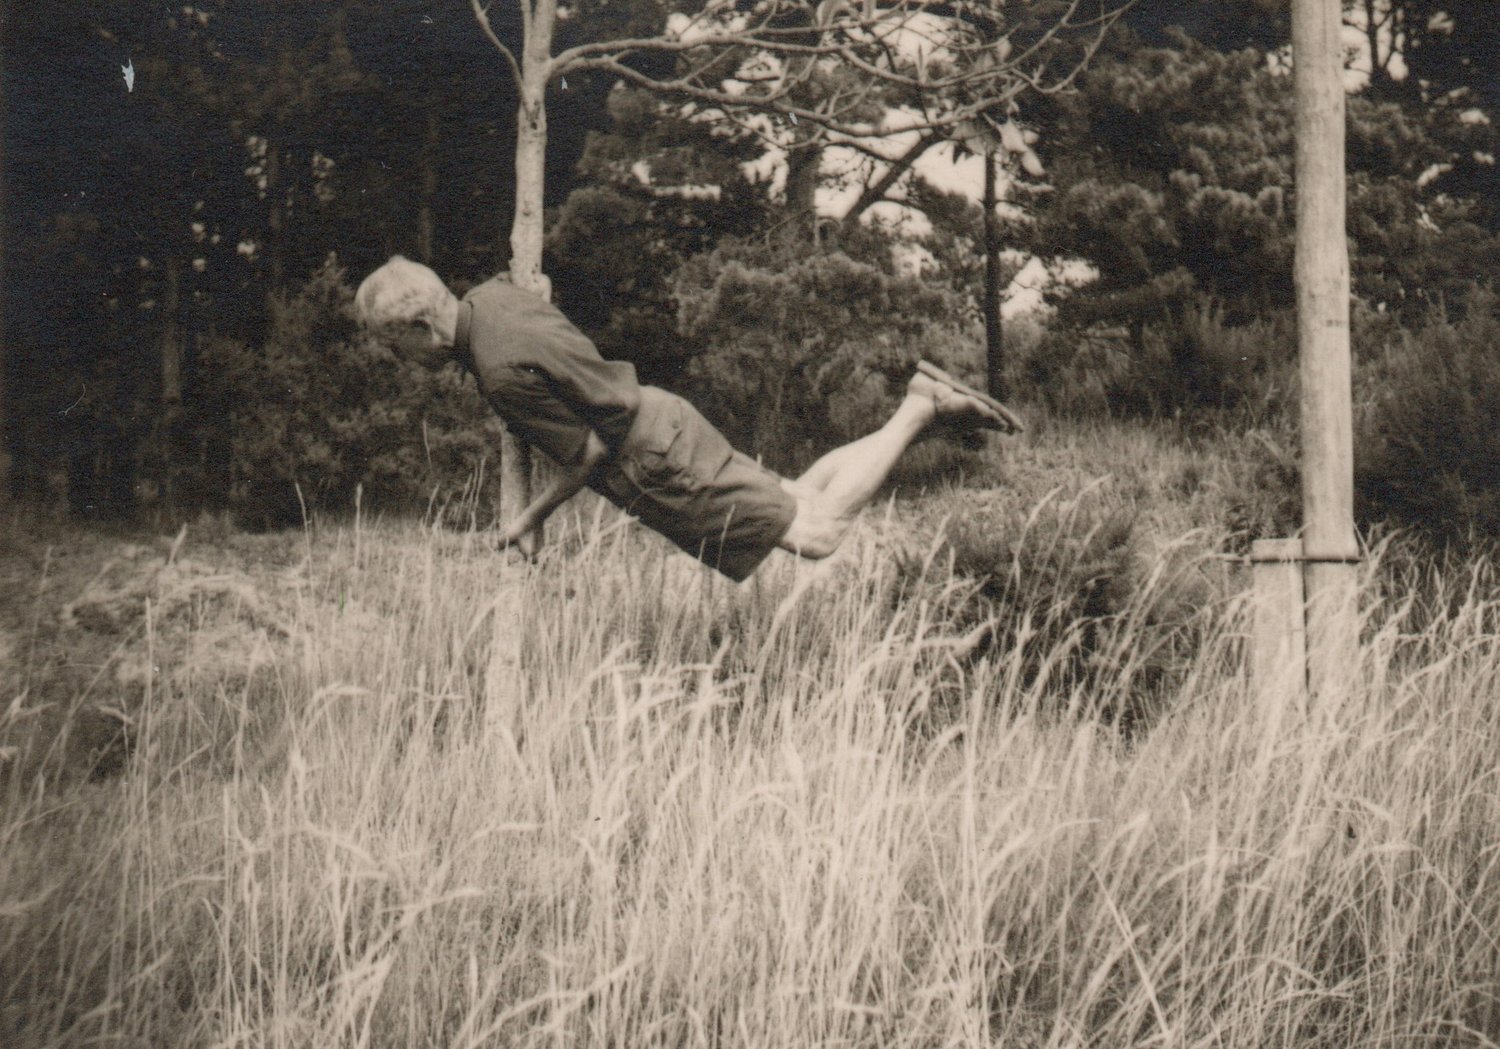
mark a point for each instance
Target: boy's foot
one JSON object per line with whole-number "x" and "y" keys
{"x": 960, "y": 405}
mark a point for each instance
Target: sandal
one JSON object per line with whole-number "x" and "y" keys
{"x": 932, "y": 371}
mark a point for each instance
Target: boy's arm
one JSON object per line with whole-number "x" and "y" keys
{"x": 604, "y": 395}
{"x": 525, "y": 531}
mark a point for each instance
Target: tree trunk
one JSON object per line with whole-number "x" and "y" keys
{"x": 168, "y": 420}
{"x": 526, "y": 229}
{"x": 1381, "y": 81}
{"x": 425, "y": 229}
{"x": 803, "y": 163}
{"x": 994, "y": 342}
{"x": 531, "y": 157}
{"x": 276, "y": 217}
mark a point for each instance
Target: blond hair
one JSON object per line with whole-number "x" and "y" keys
{"x": 400, "y": 292}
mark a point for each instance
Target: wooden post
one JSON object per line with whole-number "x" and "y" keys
{"x": 1322, "y": 279}
{"x": 1278, "y": 644}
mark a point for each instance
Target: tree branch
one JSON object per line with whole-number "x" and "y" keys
{"x": 482, "y": 14}
{"x": 776, "y": 102}
{"x": 946, "y": 61}
{"x": 875, "y": 192}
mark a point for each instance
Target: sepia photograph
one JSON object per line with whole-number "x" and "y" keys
{"x": 749, "y": 524}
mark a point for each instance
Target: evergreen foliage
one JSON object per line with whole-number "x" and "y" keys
{"x": 654, "y": 189}
{"x": 1174, "y": 181}
{"x": 1437, "y": 59}
{"x": 1429, "y": 438}
{"x": 799, "y": 348}
{"x": 1173, "y": 174}
{"x": 1199, "y": 367}
{"x": 320, "y": 415}
{"x": 161, "y": 351}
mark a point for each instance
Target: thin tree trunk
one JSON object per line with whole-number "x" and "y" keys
{"x": 169, "y": 411}
{"x": 994, "y": 341}
{"x": 276, "y": 218}
{"x": 803, "y": 164}
{"x": 1380, "y": 73}
{"x": 526, "y": 229}
{"x": 426, "y": 232}
{"x": 504, "y": 692}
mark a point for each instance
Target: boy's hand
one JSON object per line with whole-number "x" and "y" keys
{"x": 525, "y": 532}
{"x": 524, "y": 535}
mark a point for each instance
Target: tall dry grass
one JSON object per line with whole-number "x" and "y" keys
{"x": 614, "y": 802}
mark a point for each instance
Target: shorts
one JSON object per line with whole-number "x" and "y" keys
{"x": 678, "y": 476}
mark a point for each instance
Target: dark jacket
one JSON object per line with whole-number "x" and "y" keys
{"x": 542, "y": 375}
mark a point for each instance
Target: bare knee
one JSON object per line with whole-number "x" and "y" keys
{"x": 814, "y": 533}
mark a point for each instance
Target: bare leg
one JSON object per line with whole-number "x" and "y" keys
{"x": 839, "y": 485}
{"x": 847, "y": 478}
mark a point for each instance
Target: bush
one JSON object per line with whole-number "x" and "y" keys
{"x": 318, "y": 414}
{"x": 1187, "y": 368}
{"x": 1429, "y": 431}
{"x": 801, "y": 348}
{"x": 1073, "y": 599}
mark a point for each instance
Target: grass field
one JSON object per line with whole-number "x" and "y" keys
{"x": 379, "y": 787}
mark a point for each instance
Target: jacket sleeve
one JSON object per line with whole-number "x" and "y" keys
{"x": 604, "y": 394}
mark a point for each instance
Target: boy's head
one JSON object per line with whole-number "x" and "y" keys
{"x": 403, "y": 304}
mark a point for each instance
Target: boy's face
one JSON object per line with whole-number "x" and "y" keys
{"x": 416, "y": 342}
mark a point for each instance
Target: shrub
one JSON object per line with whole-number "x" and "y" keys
{"x": 1190, "y": 367}
{"x": 1083, "y": 374}
{"x": 1429, "y": 432}
{"x": 1070, "y": 595}
{"x": 800, "y": 348}
{"x": 319, "y": 413}
{"x": 1265, "y": 496}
